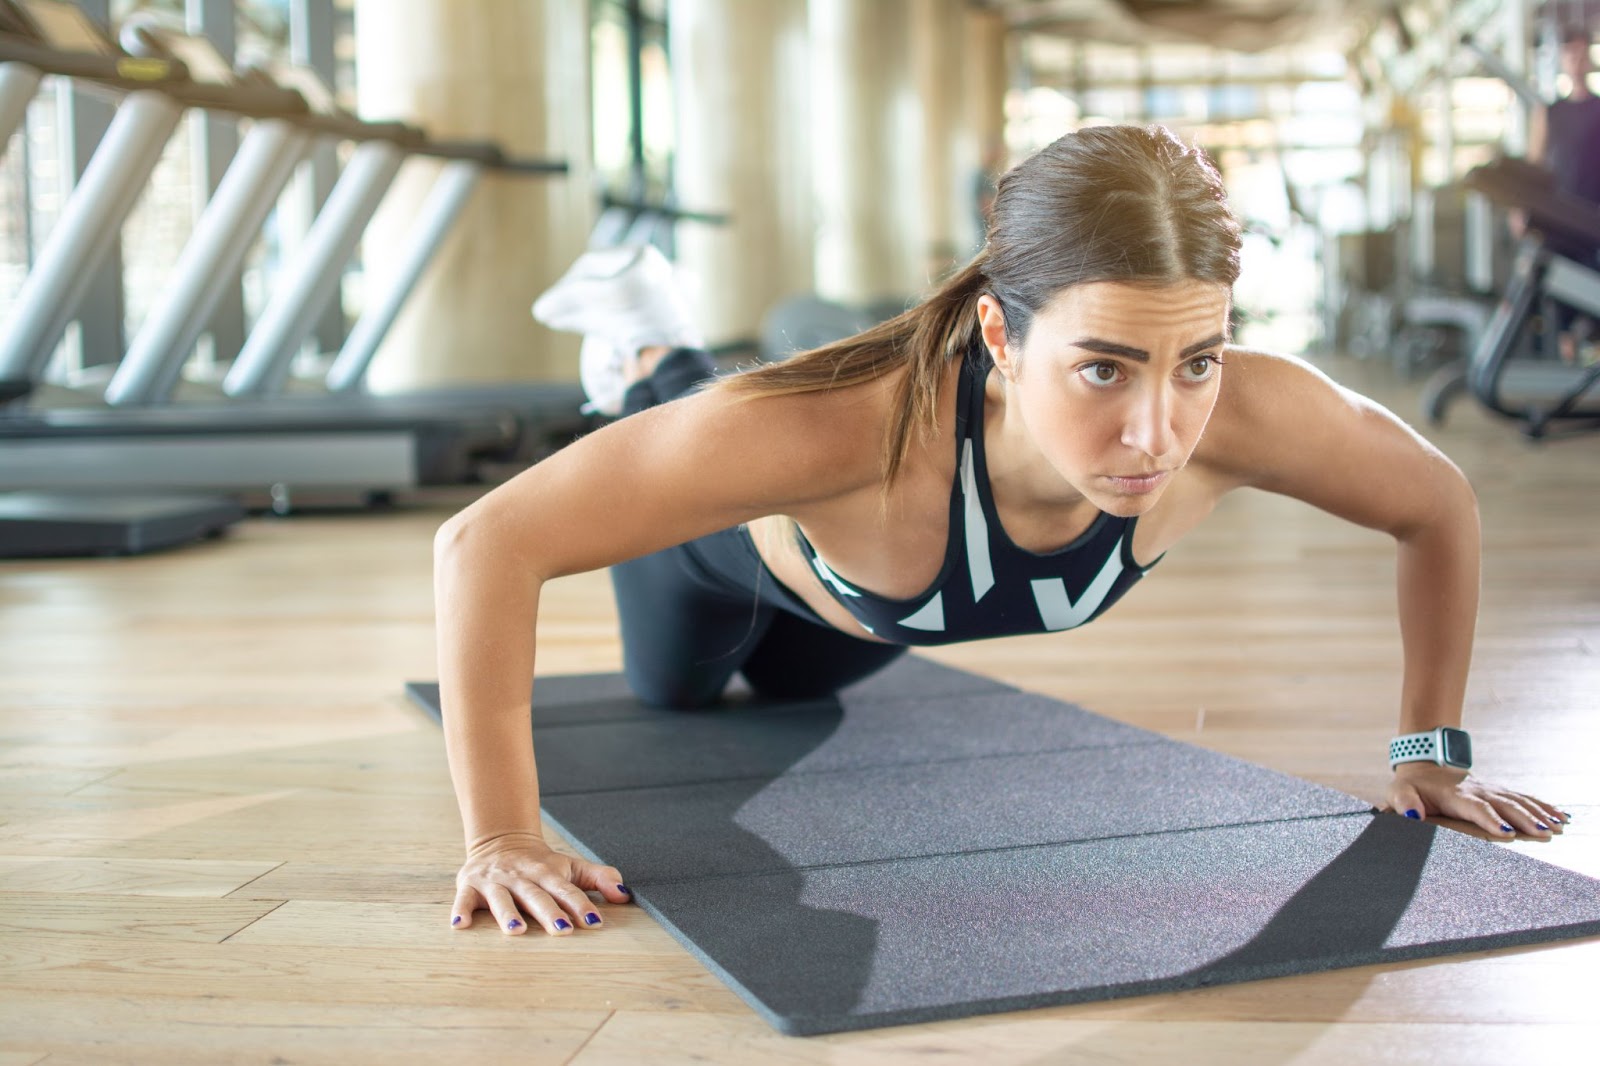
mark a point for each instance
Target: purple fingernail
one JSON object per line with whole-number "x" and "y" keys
{"x": 456, "y": 920}
{"x": 1506, "y": 829}
{"x": 513, "y": 924}
{"x": 592, "y": 918}
{"x": 562, "y": 923}
{"x": 1541, "y": 825}
{"x": 1413, "y": 814}
{"x": 625, "y": 890}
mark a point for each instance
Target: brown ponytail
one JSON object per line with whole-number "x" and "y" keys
{"x": 1107, "y": 203}
{"x": 926, "y": 340}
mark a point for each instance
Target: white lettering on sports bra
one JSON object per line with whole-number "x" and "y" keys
{"x": 1056, "y": 608}
{"x": 831, "y": 578}
{"x": 979, "y": 565}
{"x": 929, "y": 617}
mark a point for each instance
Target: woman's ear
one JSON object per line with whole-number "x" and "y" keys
{"x": 992, "y": 324}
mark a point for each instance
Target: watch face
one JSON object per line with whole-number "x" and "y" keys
{"x": 1457, "y": 748}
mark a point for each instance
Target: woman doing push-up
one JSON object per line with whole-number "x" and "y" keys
{"x": 1009, "y": 456}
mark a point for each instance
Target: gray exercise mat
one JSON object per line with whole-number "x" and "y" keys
{"x": 932, "y": 844}
{"x": 785, "y": 821}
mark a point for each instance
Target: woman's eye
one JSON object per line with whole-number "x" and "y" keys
{"x": 1202, "y": 368}
{"x": 1100, "y": 373}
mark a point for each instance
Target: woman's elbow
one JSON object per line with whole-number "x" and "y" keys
{"x": 1459, "y": 498}
{"x": 1451, "y": 505}
{"x": 469, "y": 534}
{"x": 482, "y": 541}
{"x": 451, "y": 535}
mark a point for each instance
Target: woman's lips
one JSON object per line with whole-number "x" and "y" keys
{"x": 1137, "y": 484}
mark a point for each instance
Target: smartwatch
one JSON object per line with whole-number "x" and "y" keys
{"x": 1445, "y": 746}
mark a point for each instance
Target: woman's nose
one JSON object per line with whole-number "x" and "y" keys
{"x": 1149, "y": 424}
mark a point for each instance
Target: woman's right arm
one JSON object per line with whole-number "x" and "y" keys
{"x": 647, "y": 482}
{"x": 509, "y": 870}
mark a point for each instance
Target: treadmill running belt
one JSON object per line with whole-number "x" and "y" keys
{"x": 932, "y": 844}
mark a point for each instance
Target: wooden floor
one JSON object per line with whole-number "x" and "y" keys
{"x": 225, "y": 836}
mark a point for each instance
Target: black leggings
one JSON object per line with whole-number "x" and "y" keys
{"x": 694, "y": 614}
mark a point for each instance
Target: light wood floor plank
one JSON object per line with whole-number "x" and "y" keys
{"x": 1040, "y": 1037}
{"x": 46, "y": 781}
{"x": 478, "y": 967}
{"x": 123, "y": 1029}
{"x": 127, "y": 877}
{"x": 364, "y": 883}
{"x": 327, "y": 923}
{"x": 204, "y": 921}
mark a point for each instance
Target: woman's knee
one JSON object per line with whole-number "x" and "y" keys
{"x": 675, "y": 690}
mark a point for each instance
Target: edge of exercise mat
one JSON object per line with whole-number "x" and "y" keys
{"x": 804, "y": 1026}
{"x": 425, "y": 694}
{"x": 557, "y": 712}
{"x": 1161, "y": 986}
{"x": 417, "y": 693}
{"x": 777, "y": 1021}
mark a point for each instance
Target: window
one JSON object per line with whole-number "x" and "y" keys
{"x": 631, "y": 97}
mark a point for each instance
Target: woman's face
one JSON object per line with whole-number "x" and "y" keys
{"x": 1115, "y": 383}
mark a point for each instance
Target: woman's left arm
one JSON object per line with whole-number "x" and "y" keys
{"x": 1285, "y": 427}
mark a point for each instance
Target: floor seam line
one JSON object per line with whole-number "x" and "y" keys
{"x": 253, "y": 921}
{"x": 240, "y": 888}
{"x": 589, "y": 1039}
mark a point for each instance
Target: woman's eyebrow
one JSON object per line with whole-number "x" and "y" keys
{"x": 1104, "y": 347}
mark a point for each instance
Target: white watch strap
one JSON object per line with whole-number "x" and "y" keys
{"x": 1416, "y": 747}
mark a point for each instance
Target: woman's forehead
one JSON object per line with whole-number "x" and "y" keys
{"x": 1137, "y": 304}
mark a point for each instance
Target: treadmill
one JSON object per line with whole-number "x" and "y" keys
{"x": 275, "y": 448}
{"x": 54, "y": 524}
{"x": 1561, "y": 265}
{"x": 547, "y": 415}
{"x": 1558, "y": 264}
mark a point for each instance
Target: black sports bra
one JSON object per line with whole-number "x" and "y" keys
{"x": 989, "y": 587}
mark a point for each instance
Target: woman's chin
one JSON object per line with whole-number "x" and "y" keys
{"x": 1126, "y": 504}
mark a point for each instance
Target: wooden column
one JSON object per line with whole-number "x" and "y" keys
{"x": 515, "y": 71}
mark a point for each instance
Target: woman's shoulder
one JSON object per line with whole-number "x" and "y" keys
{"x": 1256, "y": 375}
{"x": 1267, "y": 402}
{"x": 836, "y": 433}
{"x": 1284, "y": 426}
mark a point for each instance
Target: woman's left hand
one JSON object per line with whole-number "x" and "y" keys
{"x": 1429, "y": 790}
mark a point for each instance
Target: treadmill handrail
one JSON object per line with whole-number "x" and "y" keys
{"x": 170, "y": 76}
{"x": 1515, "y": 183}
{"x": 675, "y": 214}
{"x": 130, "y": 72}
{"x": 351, "y": 128}
{"x": 491, "y": 155}
{"x": 318, "y": 114}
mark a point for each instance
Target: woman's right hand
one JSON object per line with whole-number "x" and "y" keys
{"x": 519, "y": 875}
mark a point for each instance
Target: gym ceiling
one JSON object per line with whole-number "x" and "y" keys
{"x": 1232, "y": 25}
